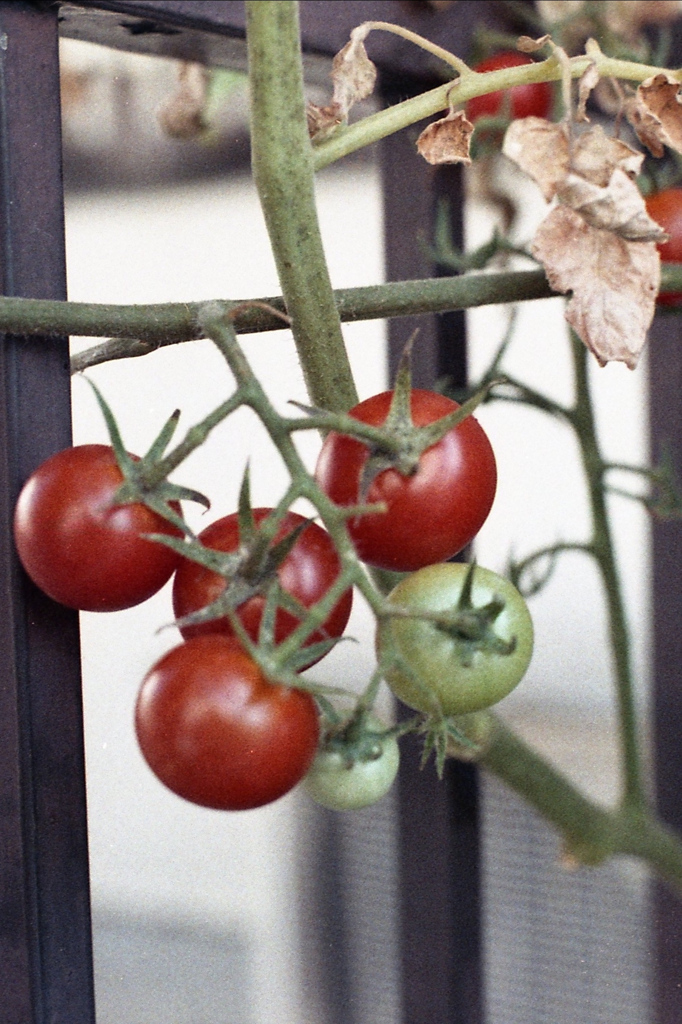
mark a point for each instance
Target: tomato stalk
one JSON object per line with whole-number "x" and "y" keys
{"x": 282, "y": 161}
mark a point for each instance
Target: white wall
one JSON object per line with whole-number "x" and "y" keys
{"x": 151, "y": 852}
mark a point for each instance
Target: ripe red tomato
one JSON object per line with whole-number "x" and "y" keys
{"x": 80, "y": 548}
{"x": 430, "y": 515}
{"x": 216, "y": 732}
{"x": 666, "y": 209}
{"x": 307, "y": 573}
{"x": 531, "y": 100}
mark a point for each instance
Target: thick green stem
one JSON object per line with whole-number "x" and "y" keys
{"x": 604, "y": 553}
{"x": 282, "y": 161}
{"x": 591, "y": 832}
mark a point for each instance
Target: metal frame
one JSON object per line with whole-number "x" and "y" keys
{"x": 45, "y": 952}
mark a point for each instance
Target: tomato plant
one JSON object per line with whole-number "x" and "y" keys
{"x": 430, "y": 515}
{"x": 465, "y": 666}
{"x": 531, "y": 100}
{"x": 307, "y": 573}
{"x": 665, "y": 208}
{"x": 77, "y": 545}
{"x": 343, "y": 779}
{"x": 215, "y": 731}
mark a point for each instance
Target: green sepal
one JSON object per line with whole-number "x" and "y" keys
{"x": 247, "y": 524}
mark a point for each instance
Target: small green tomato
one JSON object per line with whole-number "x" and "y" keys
{"x": 342, "y": 782}
{"x": 469, "y": 664}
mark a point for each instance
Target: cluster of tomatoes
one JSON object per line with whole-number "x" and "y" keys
{"x": 210, "y": 723}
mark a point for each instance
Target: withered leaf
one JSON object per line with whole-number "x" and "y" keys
{"x": 528, "y": 45}
{"x": 626, "y": 17}
{"x": 655, "y": 113}
{"x": 614, "y": 283}
{"x": 353, "y": 75}
{"x": 323, "y": 121}
{"x": 447, "y": 141}
{"x": 596, "y": 156}
{"x": 182, "y": 116}
{"x": 619, "y": 207}
{"x": 540, "y": 148}
{"x": 588, "y": 81}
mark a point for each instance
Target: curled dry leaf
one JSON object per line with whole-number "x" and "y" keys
{"x": 588, "y": 81}
{"x": 627, "y": 17}
{"x": 353, "y": 75}
{"x": 618, "y": 207}
{"x": 614, "y": 283}
{"x": 599, "y": 243}
{"x": 447, "y": 141}
{"x": 540, "y": 148}
{"x": 182, "y": 116}
{"x": 527, "y": 45}
{"x": 655, "y": 112}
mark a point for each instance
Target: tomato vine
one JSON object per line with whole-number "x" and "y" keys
{"x": 284, "y": 165}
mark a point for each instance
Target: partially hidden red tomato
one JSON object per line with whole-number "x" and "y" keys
{"x": 77, "y": 545}
{"x": 216, "y": 732}
{"x": 307, "y": 573}
{"x": 429, "y": 516}
{"x": 666, "y": 209}
{"x": 531, "y": 100}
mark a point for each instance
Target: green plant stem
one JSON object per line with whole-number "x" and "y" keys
{"x": 282, "y": 161}
{"x": 591, "y": 832}
{"x": 385, "y": 122}
{"x": 604, "y": 553}
{"x": 141, "y": 329}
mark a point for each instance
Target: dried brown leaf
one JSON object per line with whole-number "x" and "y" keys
{"x": 527, "y": 45}
{"x": 596, "y": 156}
{"x": 323, "y": 121}
{"x": 540, "y": 148}
{"x": 447, "y": 141}
{"x": 588, "y": 81}
{"x": 656, "y": 114}
{"x": 626, "y": 17}
{"x": 353, "y": 75}
{"x": 182, "y": 116}
{"x": 614, "y": 283}
{"x": 619, "y": 207}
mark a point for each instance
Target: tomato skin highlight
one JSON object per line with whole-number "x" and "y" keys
{"x": 531, "y": 100}
{"x": 431, "y": 515}
{"x": 216, "y": 732}
{"x": 80, "y": 548}
{"x": 665, "y": 208}
{"x": 307, "y": 573}
{"x": 432, "y": 677}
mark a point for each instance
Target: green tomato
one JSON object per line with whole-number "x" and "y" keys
{"x": 342, "y": 782}
{"x": 467, "y": 666}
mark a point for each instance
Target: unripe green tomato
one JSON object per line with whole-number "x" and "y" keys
{"x": 332, "y": 783}
{"x": 438, "y": 673}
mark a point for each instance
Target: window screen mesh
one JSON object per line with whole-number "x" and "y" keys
{"x": 560, "y": 946}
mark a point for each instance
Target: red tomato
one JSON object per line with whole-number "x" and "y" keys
{"x": 216, "y": 732}
{"x": 80, "y": 548}
{"x": 666, "y": 209}
{"x": 532, "y": 100}
{"x": 431, "y": 515}
{"x": 307, "y": 573}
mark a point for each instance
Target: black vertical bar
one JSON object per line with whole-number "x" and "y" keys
{"x": 45, "y": 947}
{"x": 438, "y": 821}
{"x": 665, "y": 360}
